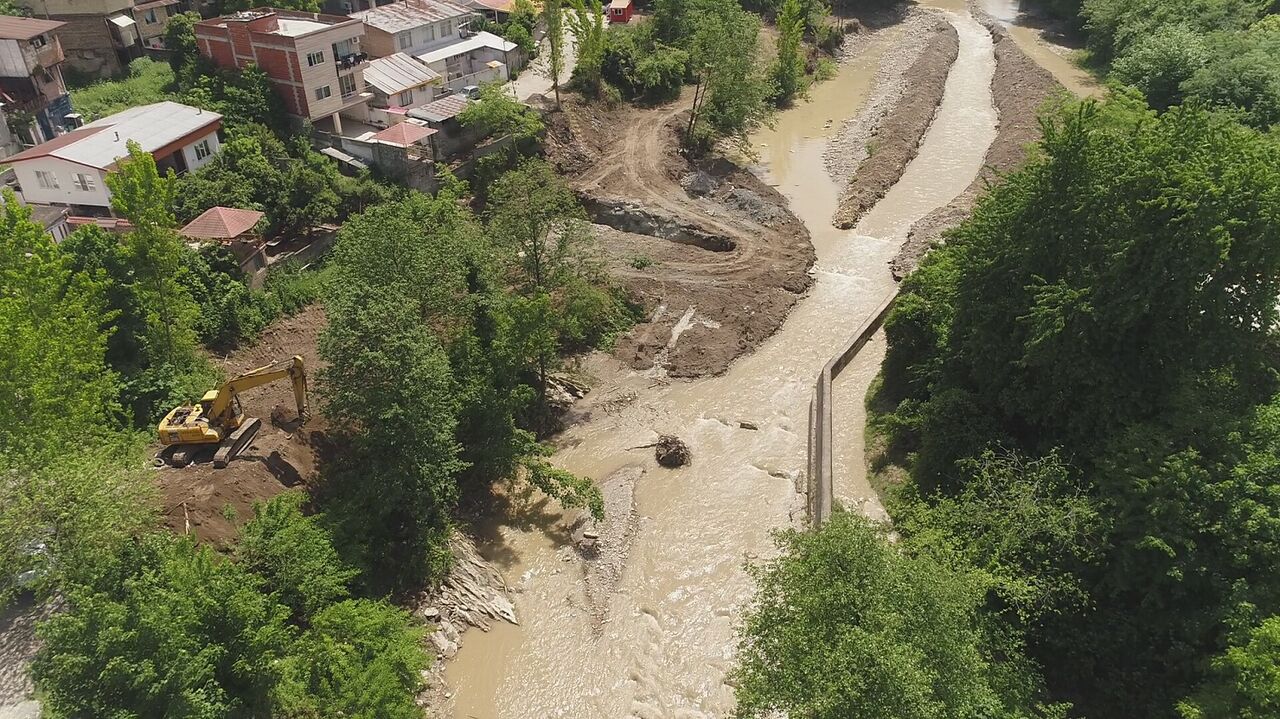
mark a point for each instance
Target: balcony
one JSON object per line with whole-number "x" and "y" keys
{"x": 351, "y": 60}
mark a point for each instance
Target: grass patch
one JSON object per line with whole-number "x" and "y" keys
{"x": 147, "y": 81}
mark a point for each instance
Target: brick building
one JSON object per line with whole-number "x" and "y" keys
{"x": 31, "y": 75}
{"x": 314, "y": 61}
{"x": 101, "y": 36}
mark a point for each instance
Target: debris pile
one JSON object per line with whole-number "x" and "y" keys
{"x": 672, "y": 452}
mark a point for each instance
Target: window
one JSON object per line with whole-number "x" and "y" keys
{"x": 150, "y": 17}
{"x": 39, "y": 41}
{"x": 431, "y": 32}
{"x": 315, "y": 58}
{"x": 446, "y": 28}
{"x": 202, "y": 149}
{"x": 617, "y": 11}
{"x": 46, "y": 180}
{"x": 84, "y": 183}
{"x": 406, "y": 98}
{"x": 322, "y": 92}
{"x": 404, "y": 40}
{"x": 347, "y": 85}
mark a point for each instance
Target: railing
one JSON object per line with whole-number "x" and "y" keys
{"x": 821, "y": 487}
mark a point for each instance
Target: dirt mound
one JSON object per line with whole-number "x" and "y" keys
{"x": 894, "y": 143}
{"x": 211, "y": 503}
{"x": 1019, "y": 89}
{"x": 712, "y": 252}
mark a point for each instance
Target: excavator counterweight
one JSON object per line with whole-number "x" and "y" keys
{"x": 218, "y": 420}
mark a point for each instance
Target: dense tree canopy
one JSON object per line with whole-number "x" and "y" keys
{"x": 171, "y": 629}
{"x": 1108, "y": 315}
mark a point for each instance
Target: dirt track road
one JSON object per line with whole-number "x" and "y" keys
{"x": 714, "y": 252}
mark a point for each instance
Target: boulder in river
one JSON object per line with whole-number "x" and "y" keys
{"x": 672, "y": 452}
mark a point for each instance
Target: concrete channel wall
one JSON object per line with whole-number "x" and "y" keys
{"x": 821, "y": 482}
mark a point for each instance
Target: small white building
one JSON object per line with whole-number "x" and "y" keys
{"x": 71, "y": 169}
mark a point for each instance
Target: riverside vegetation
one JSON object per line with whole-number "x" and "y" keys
{"x": 1078, "y": 414}
{"x": 444, "y": 325}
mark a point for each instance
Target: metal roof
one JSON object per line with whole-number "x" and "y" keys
{"x": 475, "y": 42}
{"x": 409, "y": 14}
{"x": 440, "y": 110}
{"x": 399, "y": 72}
{"x": 99, "y": 144}
{"x": 25, "y": 28}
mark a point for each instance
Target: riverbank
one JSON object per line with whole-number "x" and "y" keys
{"x": 662, "y": 641}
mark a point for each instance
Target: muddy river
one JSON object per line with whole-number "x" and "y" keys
{"x": 1054, "y": 58}
{"x": 668, "y": 634}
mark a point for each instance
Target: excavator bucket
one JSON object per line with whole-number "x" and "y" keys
{"x": 236, "y": 442}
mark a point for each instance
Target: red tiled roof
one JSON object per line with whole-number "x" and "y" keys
{"x": 403, "y": 134}
{"x": 221, "y": 223}
{"x": 47, "y": 148}
{"x": 25, "y": 28}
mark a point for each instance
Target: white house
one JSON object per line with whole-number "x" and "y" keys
{"x": 71, "y": 169}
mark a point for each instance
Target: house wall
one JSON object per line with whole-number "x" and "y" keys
{"x": 13, "y": 61}
{"x": 284, "y": 59}
{"x": 189, "y": 151}
{"x": 153, "y": 33}
{"x": 66, "y": 193}
{"x": 88, "y": 43}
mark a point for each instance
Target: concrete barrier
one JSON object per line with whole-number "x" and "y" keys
{"x": 821, "y": 488}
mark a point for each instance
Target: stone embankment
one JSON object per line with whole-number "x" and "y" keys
{"x": 873, "y": 149}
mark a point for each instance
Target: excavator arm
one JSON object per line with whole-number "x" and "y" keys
{"x": 291, "y": 368}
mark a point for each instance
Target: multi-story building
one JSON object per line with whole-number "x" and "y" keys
{"x": 315, "y": 61}
{"x": 102, "y": 36}
{"x": 412, "y": 26}
{"x": 436, "y": 33}
{"x": 31, "y": 76}
{"x": 71, "y": 169}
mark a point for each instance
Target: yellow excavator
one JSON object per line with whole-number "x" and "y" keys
{"x": 218, "y": 420}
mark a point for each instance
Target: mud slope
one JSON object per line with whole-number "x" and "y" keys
{"x": 1019, "y": 89}
{"x": 713, "y": 253}
{"x": 195, "y": 499}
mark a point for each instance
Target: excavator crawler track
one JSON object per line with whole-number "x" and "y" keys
{"x": 239, "y": 439}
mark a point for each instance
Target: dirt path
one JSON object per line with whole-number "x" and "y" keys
{"x": 713, "y": 253}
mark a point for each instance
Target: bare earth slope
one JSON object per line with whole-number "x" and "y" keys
{"x": 713, "y": 252}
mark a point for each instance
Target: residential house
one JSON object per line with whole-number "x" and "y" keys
{"x": 496, "y": 10}
{"x": 435, "y": 32}
{"x": 398, "y": 81}
{"x": 101, "y": 37}
{"x": 152, "y": 20}
{"x": 451, "y": 136}
{"x": 315, "y": 62}
{"x": 475, "y": 60}
{"x": 31, "y": 75}
{"x": 71, "y": 169}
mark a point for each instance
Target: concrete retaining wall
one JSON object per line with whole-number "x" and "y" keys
{"x": 821, "y": 488}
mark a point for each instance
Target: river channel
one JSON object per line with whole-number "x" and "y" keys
{"x": 668, "y": 636}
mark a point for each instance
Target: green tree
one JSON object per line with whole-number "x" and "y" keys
{"x": 788, "y": 69}
{"x": 388, "y": 379}
{"x": 1246, "y": 679}
{"x": 1159, "y": 63}
{"x": 1110, "y": 307}
{"x": 553, "y": 66}
{"x": 729, "y": 99}
{"x": 180, "y": 41}
{"x": 586, "y": 22}
{"x": 497, "y": 114}
{"x": 55, "y": 386}
{"x": 846, "y": 626}
{"x": 142, "y": 195}
{"x": 227, "y": 7}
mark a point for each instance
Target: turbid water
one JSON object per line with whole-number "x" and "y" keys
{"x": 1054, "y": 58}
{"x": 668, "y": 637}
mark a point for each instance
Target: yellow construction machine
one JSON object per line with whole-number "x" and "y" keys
{"x": 218, "y": 420}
